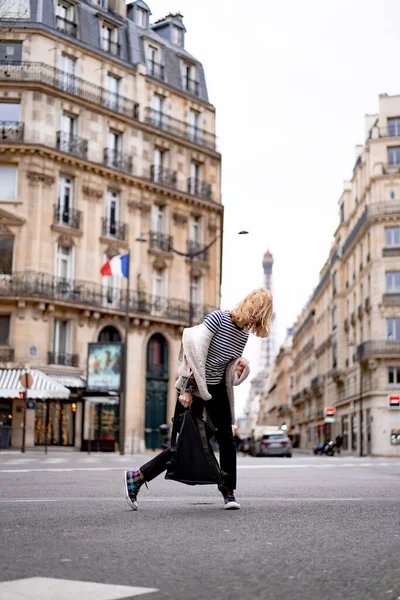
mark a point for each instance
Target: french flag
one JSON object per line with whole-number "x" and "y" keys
{"x": 117, "y": 265}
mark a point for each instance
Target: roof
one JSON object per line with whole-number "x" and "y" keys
{"x": 43, "y": 385}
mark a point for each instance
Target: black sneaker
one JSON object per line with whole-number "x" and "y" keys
{"x": 230, "y": 502}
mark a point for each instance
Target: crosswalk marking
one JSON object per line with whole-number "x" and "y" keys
{"x": 47, "y": 588}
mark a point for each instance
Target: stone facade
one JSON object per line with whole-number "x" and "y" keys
{"x": 102, "y": 145}
{"x": 346, "y": 345}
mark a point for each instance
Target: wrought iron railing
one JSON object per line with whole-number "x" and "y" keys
{"x": 68, "y": 27}
{"x": 197, "y": 187}
{"x": 61, "y": 358}
{"x": 195, "y": 247}
{"x": 27, "y": 71}
{"x": 11, "y": 131}
{"x": 379, "y": 348}
{"x": 155, "y": 70}
{"x": 118, "y": 160}
{"x": 6, "y": 355}
{"x": 114, "y": 229}
{"x": 73, "y": 144}
{"x": 179, "y": 128}
{"x": 160, "y": 241}
{"x": 67, "y": 217}
{"x": 160, "y": 174}
{"x": 34, "y": 285}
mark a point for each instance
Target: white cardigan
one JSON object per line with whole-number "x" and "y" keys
{"x": 193, "y": 356}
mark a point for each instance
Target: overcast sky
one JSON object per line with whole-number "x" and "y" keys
{"x": 291, "y": 82}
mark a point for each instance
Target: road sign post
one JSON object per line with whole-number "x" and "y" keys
{"x": 26, "y": 380}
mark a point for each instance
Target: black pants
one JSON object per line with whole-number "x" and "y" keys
{"x": 219, "y": 411}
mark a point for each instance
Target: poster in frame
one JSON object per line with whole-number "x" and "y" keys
{"x": 104, "y": 367}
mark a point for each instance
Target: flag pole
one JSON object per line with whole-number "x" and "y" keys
{"x": 123, "y": 396}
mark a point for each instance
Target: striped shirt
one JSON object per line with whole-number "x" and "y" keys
{"x": 227, "y": 343}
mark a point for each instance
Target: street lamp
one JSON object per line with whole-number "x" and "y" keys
{"x": 191, "y": 255}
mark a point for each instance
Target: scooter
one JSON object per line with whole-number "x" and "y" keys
{"x": 327, "y": 448}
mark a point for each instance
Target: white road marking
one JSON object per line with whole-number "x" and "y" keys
{"x": 46, "y": 588}
{"x": 194, "y": 500}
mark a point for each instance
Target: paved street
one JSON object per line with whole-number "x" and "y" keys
{"x": 310, "y": 528}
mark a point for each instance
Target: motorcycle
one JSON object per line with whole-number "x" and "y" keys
{"x": 327, "y": 448}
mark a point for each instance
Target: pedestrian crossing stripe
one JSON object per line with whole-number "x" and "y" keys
{"x": 47, "y": 588}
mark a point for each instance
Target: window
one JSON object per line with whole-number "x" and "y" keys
{"x": 8, "y": 178}
{"x": 334, "y": 355}
{"x": 113, "y": 156}
{"x": 68, "y": 68}
{"x": 111, "y": 290}
{"x": 394, "y": 155}
{"x": 69, "y": 128}
{"x": 6, "y": 256}
{"x": 196, "y": 229}
{"x": 5, "y": 330}
{"x": 154, "y": 66}
{"x": 109, "y": 334}
{"x": 177, "y": 35}
{"x": 15, "y": 9}
{"x": 194, "y": 125}
{"x": 189, "y": 78}
{"x": 10, "y": 111}
{"x": 159, "y": 219}
{"x": 112, "y": 213}
{"x": 11, "y": 51}
{"x": 392, "y": 236}
{"x": 65, "y": 18}
{"x": 393, "y": 328}
{"x": 394, "y": 127}
{"x": 109, "y": 38}
{"x": 393, "y": 281}
{"x": 65, "y": 200}
{"x": 334, "y": 282}
{"x": 62, "y": 337}
{"x": 334, "y": 318}
{"x": 64, "y": 262}
{"x": 160, "y": 283}
{"x": 198, "y": 291}
{"x": 196, "y": 171}
{"x": 141, "y": 17}
{"x": 113, "y": 85}
{"x": 394, "y": 375}
{"x": 159, "y": 163}
{"x": 158, "y": 113}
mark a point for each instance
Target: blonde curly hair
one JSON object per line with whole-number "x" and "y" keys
{"x": 255, "y": 312}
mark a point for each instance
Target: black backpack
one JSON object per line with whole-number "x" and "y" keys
{"x": 192, "y": 458}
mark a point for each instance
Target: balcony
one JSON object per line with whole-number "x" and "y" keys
{"x": 191, "y": 86}
{"x": 180, "y": 129}
{"x": 353, "y": 319}
{"x": 61, "y": 358}
{"x": 11, "y": 131}
{"x": 114, "y": 229}
{"x": 346, "y": 324}
{"x": 67, "y": 27}
{"x": 379, "y": 348}
{"x": 67, "y": 217}
{"x": 367, "y": 305}
{"x": 34, "y": 286}
{"x": 46, "y": 75}
{"x": 196, "y": 248}
{"x": 391, "y": 131}
{"x": 73, "y": 144}
{"x": 6, "y": 355}
{"x": 360, "y": 311}
{"x": 118, "y": 160}
{"x": 199, "y": 188}
{"x": 155, "y": 70}
{"x": 113, "y": 48}
{"x": 160, "y": 241}
{"x": 164, "y": 176}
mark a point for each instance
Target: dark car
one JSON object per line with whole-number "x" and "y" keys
{"x": 274, "y": 444}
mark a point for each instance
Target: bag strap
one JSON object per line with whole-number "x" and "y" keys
{"x": 206, "y": 447}
{"x": 176, "y": 424}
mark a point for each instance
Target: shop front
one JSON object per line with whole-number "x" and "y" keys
{"x": 100, "y": 431}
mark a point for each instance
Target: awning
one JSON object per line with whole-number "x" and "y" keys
{"x": 43, "y": 385}
{"x": 101, "y": 399}
{"x": 69, "y": 381}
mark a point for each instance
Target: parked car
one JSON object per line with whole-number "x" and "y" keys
{"x": 274, "y": 444}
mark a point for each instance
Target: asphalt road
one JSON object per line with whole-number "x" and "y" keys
{"x": 310, "y": 528}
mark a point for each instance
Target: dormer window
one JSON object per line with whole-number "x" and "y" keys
{"x": 177, "y": 36}
{"x": 109, "y": 38}
{"x": 154, "y": 67}
{"x": 65, "y": 18}
{"x": 141, "y": 18}
{"x": 189, "y": 82}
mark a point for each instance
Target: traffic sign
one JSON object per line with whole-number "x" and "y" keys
{"x": 330, "y": 412}
{"x": 394, "y": 402}
{"x": 26, "y": 380}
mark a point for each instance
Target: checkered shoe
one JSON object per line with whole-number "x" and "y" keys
{"x": 133, "y": 481}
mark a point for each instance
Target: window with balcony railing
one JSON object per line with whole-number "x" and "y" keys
{"x": 6, "y": 255}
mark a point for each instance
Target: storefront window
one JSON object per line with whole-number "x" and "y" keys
{"x": 345, "y": 432}
{"x": 59, "y": 423}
